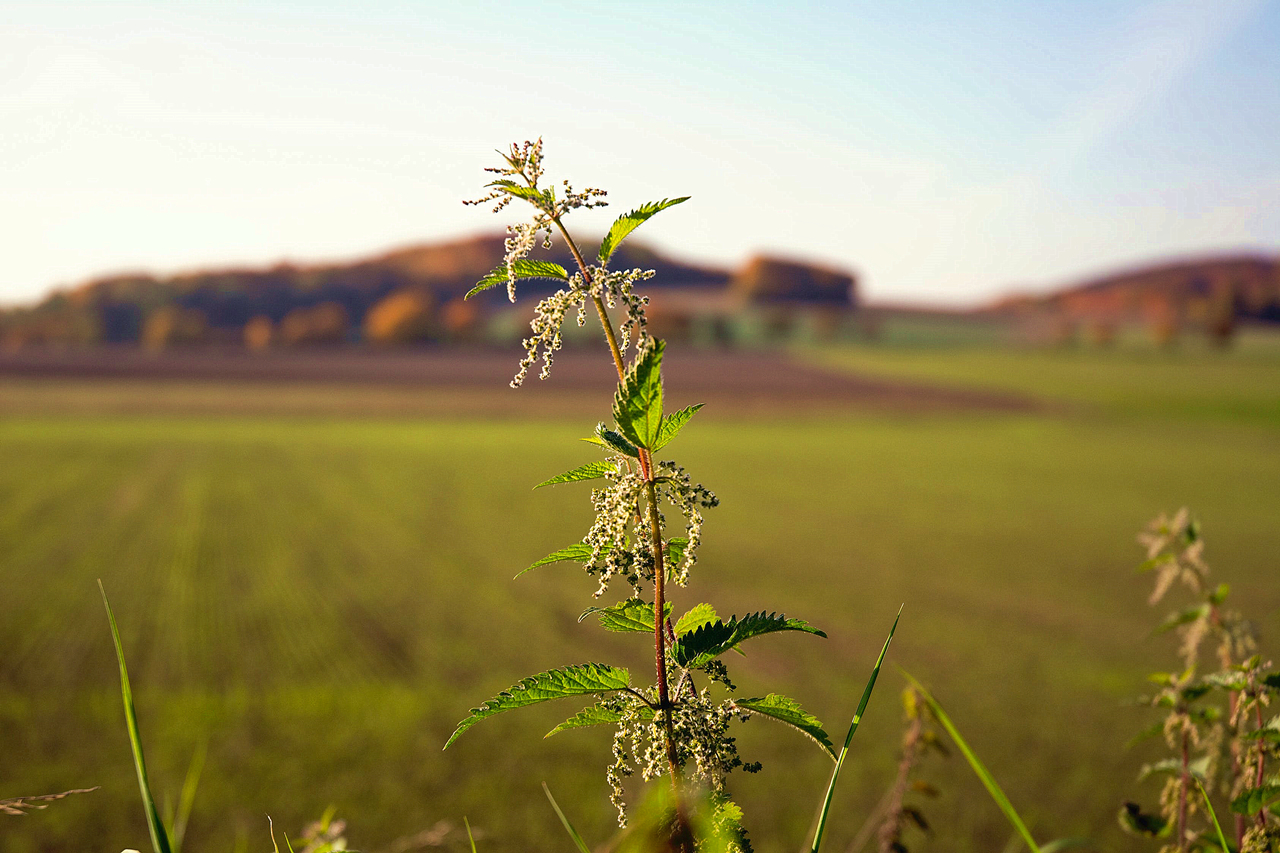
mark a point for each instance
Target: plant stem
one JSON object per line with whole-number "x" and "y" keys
{"x": 1234, "y": 698}
{"x": 1262, "y": 758}
{"x": 655, "y": 523}
{"x": 682, "y": 837}
{"x": 1182, "y": 797}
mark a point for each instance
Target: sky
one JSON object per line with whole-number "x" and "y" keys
{"x": 945, "y": 152}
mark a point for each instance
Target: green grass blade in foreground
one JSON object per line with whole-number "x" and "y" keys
{"x": 159, "y": 838}
{"x": 187, "y": 801}
{"x": 987, "y": 779}
{"x": 848, "y": 738}
{"x": 1222, "y": 837}
{"x": 568, "y": 827}
{"x": 471, "y": 839}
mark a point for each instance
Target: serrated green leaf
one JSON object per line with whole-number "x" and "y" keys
{"x": 704, "y": 644}
{"x": 676, "y": 546}
{"x": 629, "y": 616}
{"x": 1253, "y": 800}
{"x": 553, "y": 684}
{"x": 1163, "y": 767}
{"x": 1152, "y": 731}
{"x": 1173, "y": 767}
{"x": 1228, "y": 680}
{"x": 637, "y": 404}
{"x": 629, "y": 222}
{"x": 1153, "y": 563}
{"x": 1182, "y": 617}
{"x": 524, "y": 268}
{"x": 598, "y": 715}
{"x": 696, "y": 617}
{"x": 538, "y": 198}
{"x": 590, "y": 471}
{"x": 787, "y": 710}
{"x": 577, "y": 552}
{"x": 672, "y": 424}
{"x": 1270, "y": 731}
{"x": 611, "y": 440}
{"x": 592, "y": 715}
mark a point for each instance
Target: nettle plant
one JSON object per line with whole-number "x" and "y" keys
{"x": 676, "y": 726}
{"x": 1216, "y": 723}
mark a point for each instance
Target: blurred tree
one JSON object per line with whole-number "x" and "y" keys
{"x": 173, "y": 325}
{"x": 1220, "y": 319}
{"x": 403, "y": 317}
{"x": 325, "y": 323}
{"x": 259, "y": 333}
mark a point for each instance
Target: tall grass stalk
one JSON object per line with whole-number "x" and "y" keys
{"x": 848, "y": 738}
{"x": 159, "y": 838}
{"x": 988, "y": 781}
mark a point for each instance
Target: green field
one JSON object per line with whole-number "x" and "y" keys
{"x": 321, "y": 599}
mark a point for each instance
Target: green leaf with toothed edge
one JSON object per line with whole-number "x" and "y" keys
{"x": 538, "y": 198}
{"x": 1184, "y": 617}
{"x": 637, "y": 404}
{"x": 629, "y": 616}
{"x": 787, "y": 710}
{"x": 1253, "y": 800}
{"x": 611, "y": 440}
{"x": 695, "y": 617}
{"x": 590, "y": 471}
{"x": 575, "y": 680}
{"x": 597, "y": 715}
{"x": 676, "y": 546}
{"x": 629, "y": 222}
{"x": 672, "y": 424}
{"x": 708, "y": 642}
{"x": 524, "y": 268}
{"x": 578, "y": 552}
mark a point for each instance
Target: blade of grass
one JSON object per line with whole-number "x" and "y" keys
{"x": 987, "y": 779}
{"x": 853, "y": 727}
{"x": 573, "y": 833}
{"x": 187, "y": 800}
{"x": 159, "y": 838}
{"x": 471, "y": 838}
{"x": 1222, "y": 837}
{"x": 272, "y": 829}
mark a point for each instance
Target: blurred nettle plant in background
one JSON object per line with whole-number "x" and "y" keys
{"x": 1216, "y": 723}
{"x": 677, "y": 726}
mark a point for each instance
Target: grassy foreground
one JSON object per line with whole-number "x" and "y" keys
{"x": 319, "y": 599}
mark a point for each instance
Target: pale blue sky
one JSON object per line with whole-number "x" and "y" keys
{"x": 946, "y": 151}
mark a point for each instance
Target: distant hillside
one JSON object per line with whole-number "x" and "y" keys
{"x": 409, "y": 294}
{"x": 1248, "y": 284}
